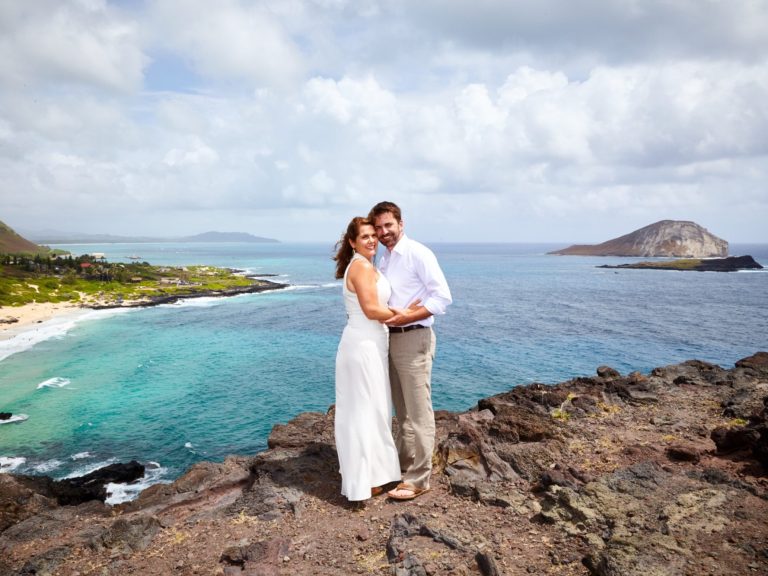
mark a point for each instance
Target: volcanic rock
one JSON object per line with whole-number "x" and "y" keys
{"x": 662, "y": 473}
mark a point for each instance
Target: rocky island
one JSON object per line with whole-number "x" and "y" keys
{"x": 730, "y": 264}
{"x": 663, "y": 473}
{"x": 676, "y": 238}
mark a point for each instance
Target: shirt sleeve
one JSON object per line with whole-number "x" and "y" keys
{"x": 438, "y": 295}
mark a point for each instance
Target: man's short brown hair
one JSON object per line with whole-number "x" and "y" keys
{"x": 383, "y": 208}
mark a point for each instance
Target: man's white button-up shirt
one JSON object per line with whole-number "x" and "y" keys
{"x": 414, "y": 274}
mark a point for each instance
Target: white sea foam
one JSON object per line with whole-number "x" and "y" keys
{"x": 202, "y": 302}
{"x": 87, "y": 469}
{"x": 300, "y": 287}
{"x": 81, "y": 456}
{"x": 15, "y": 418}
{"x": 55, "y": 382}
{"x": 123, "y": 492}
{"x": 47, "y": 466}
{"x": 188, "y": 445}
{"x": 9, "y": 464}
{"x": 56, "y": 327}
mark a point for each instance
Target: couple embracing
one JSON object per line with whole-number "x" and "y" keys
{"x": 385, "y": 357}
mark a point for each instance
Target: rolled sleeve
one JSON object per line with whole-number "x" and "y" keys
{"x": 438, "y": 295}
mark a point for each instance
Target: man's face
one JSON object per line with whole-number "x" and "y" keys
{"x": 388, "y": 229}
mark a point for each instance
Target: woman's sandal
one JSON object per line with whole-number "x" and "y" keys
{"x": 405, "y": 487}
{"x": 377, "y": 491}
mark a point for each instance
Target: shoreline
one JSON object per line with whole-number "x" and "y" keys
{"x": 28, "y": 316}
{"x": 19, "y": 320}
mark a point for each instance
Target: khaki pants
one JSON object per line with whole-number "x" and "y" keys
{"x": 410, "y": 376}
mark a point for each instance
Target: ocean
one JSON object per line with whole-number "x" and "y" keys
{"x": 199, "y": 380}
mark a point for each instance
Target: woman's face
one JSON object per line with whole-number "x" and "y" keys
{"x": 366, "y": 242}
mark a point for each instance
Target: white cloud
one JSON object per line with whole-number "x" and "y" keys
{"x": 231, "y": 40}
{"x": 195, "y": 152}
{"x": 488, "y": 120}
{"x": 620, "y": 31}
{"x": 363, "y": 104}
{"x": 74, "y": 44}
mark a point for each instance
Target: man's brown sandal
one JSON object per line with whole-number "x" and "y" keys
{"x": 405, "y": 487}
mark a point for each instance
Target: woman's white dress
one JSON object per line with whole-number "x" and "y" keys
{"x": 363, "y": 423}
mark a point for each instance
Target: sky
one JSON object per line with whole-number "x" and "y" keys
{"x": 485, "y": 120}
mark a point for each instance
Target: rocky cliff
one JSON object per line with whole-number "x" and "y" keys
{"x": 677, "y": 238}
{"x": 656, "y": 474}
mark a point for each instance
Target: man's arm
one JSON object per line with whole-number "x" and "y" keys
{"x": 438, "y": 295}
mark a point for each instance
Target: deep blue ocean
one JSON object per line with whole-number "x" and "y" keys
{"x": 176, "y": 384}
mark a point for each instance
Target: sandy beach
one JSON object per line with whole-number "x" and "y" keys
{"x": 28, "y": 315}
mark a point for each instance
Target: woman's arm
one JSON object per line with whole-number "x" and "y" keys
{"x": 361, "y": 279}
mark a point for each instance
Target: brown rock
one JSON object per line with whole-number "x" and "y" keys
{"x": 610, "y": 495}
{"x": 608, "y": 373}
{"x": 732, "y": 439}
{"x": 683, "y": 453}
{"x": 300, "y": 431}
{"x": 19, "y": 502}
{"x": 757, "y": 362}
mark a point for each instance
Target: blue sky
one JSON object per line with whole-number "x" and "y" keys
{"x": 489, "y": 120}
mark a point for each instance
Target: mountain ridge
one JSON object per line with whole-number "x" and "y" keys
{"x": 56, "y": 237}
{"x": 11, "y": 242}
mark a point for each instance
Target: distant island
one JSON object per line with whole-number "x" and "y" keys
{"x": 675, "y": 238}
{"x": 730, "y": 264}
{"x": 74, "y": 238}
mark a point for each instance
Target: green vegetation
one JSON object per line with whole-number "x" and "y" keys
{"x": 96, "y": 282}
{"x": 682, "y": 264}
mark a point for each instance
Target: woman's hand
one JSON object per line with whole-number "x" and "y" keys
{"x": 402, "y": 316}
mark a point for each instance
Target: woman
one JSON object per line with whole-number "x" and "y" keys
{"x": 363, "y": 425}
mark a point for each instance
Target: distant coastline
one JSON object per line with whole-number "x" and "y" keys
{"x": 73, "y": 238}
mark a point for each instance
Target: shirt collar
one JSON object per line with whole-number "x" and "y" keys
{"x": 401, "y": 245}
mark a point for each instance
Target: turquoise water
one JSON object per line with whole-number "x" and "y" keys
{"x": 176, "y": 384}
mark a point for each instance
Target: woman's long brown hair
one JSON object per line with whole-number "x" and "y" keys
{"x": 344, "y": 250}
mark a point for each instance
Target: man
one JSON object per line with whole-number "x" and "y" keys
{"x": 419, "y": 288}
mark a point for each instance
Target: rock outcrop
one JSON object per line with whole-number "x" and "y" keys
{"x": 730, "y": 264}
{"x": 676, "y": 238}
{"x": 645, "y": 474}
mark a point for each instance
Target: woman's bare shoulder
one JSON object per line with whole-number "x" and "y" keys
{"x": 361, "y": 264}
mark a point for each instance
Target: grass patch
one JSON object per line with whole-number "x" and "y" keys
{"x": 103, "y": 283}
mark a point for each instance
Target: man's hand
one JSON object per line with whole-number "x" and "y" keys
{"x": 406, "y": 316}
